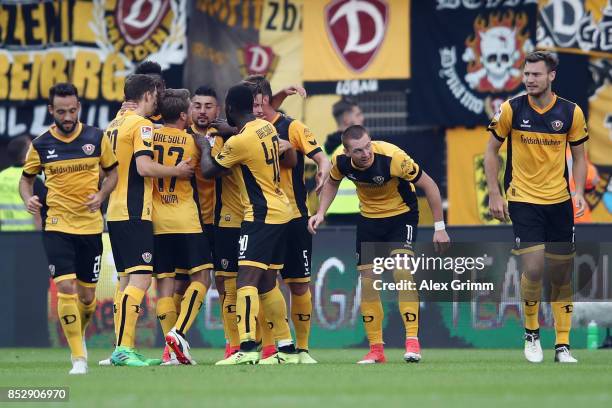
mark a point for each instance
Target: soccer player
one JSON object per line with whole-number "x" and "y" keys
{"x": 255, "y": 151}
{"x": 130, "y": 210}
{"x": 71, "y": 154}
{"x": 180, "y": 244}
{"x": 538, "y": 126}
{"x": 385, "y": 177}
{"x": 296, "y": 271}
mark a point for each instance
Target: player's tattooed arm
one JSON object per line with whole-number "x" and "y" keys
{"x": 210, "y": 169}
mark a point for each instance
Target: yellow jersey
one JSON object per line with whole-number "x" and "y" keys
{"x": 536, "y": 169}
{"x": 228, "y": 203}
{"x": 176, "y": 206}
{"x": 305, "y": 144}
{"x": 71, "y": 165}
{"x": 206, "y": 187}
{"x": 131, "y": 136}
{"x": 386, "y": 188}
{"x": 255, "y": 150}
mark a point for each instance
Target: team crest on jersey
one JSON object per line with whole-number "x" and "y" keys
{"x": 356, "y": 30}
{"x": 147, "y": 257}
{"x": 146, "y": 132}
{"x": 379, "y": 180}
{"x": 139, "y": 29}
{"x": 88, "y": 149}
{"x": 224, "y": 263}
{"x": 556, "y": 125}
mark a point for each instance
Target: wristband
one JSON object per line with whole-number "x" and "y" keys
{"x": 439, "y": 226}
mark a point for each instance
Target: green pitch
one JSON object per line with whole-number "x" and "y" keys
{"x": 445, "y": 378}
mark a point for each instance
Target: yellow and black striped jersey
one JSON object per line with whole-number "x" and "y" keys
{"x": 206, "y": 187}
{"x": 255, "y": 150}
{"x": 536, "y": 169}
{"x": 71, "y": 165}
{"x": 131, "y": 136}
{"x": 386, "y": 188}
{"x": 228, "y": 203}
{"x": 292, "y": 179}
{"x": 176, "y": 205}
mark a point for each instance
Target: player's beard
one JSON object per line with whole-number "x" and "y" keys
{"x": 64, "y": 129}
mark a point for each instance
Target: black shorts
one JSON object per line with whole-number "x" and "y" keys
{"x": 226, "y": 251}
{"x": 73, "y": 256}
{"x": 543, "y": 226}
{"x": 180, "y": 254}
{"x": 262, "y": 245}
{"x": 209, "y": 232}
{"x": 298, "y": 253}
{"x": 400, "y": 228}
{"x": 132, "y": 244}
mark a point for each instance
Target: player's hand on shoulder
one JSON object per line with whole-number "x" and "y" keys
{"x": 314, "y": 222}
{"x": 223, "y": 129}
{"x": 184, "y": 169}
{"x": 127, "y": 105}
{"x": 33, "y": 205}
{"x": 498, "y": 208}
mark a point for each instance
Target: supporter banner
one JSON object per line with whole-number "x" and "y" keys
{"x": 362, "y": 41}
{"x": 224, "y": 44}
{"x": 467, "y": 57}
{"x": 93, "y": 44}
{"x": 576, "y": 26}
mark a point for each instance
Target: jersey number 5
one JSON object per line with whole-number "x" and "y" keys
{"x": 160, "y": 159}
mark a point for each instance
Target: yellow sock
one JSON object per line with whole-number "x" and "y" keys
{"x": 229, "y": 313}
{"x": 301, "y": 312}
{"x": 371, "y": 312}
{"x": 166, "y": 313}
{"x": 128, "y": 312}
{"x": 190, "y": 306}
{"x": 562, "y": 311}
{"x": 116, "y": 309}
{"x": 408, "y": 303}
{"x": 86, "y": 312}
{"x": 247, "y": 309}
{"x": 177, "y": 298}
{"x": 531, "y": 292}
{"x": 264, "y": 332}
{"x": 70, "y": 319}
{"x": 275, "y": 308}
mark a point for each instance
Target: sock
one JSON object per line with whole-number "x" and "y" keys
{"x": 408, "y": 303}
{"x": 531, "y": 292}
{"x": 177, "y": 298}
{"x": 301, "y": 312}
{"x": 116, "y": 309}
{"x": 190, "y": 306}
{"x": 86, "y": 312}
{"x": 247, "y": 309}
{"x": 562, "y": 311}
{"x": 229, "y": 313}
{"x": 274, "y": 306}
{"x": 371, "y": 311}
{"x": 70, "y": 319}
{"x": 166, "y": 313}
{"x": 128, "y": 315}
{"x": 264, "y": 332}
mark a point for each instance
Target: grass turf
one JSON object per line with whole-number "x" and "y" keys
{"x": 457, "y": 378}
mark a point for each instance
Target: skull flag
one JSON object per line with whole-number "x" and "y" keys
{"x": 467, "y": 58}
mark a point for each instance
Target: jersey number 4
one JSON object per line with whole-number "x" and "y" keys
{"x": 179, "y": 151}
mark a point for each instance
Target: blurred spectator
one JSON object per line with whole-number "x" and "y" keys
{"x": 347, "y": 113}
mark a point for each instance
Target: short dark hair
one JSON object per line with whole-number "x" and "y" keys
{"x": 353, "y": 132}
{"x": 149, "y": 68}
{"x": 17, "y": 148}
{"x": 62, "y": 89}
{"x": 173, "y": 102}
{"x": 258, "y": 85}
{"x": 240, "y": 99}
{"x": 341, "y": 107}
{"x": 550, "y": 59}
{"x": 206, "y": 90}
{"x": 136, "y": 85}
